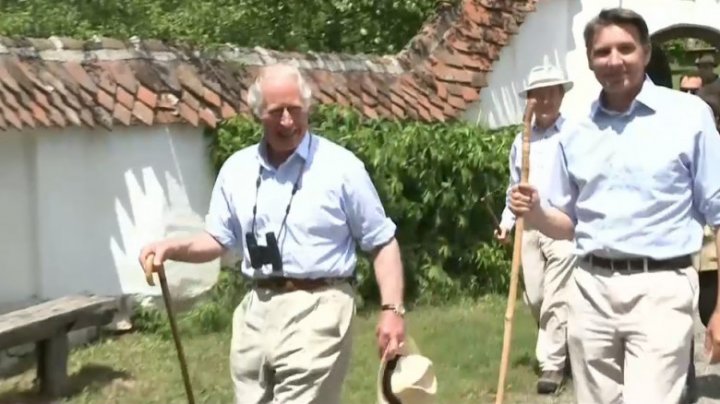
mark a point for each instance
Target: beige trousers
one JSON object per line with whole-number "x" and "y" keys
{"x": 292, "y": 348}
{"x": 629, "y": 334}
{"x": 547, "y": 267}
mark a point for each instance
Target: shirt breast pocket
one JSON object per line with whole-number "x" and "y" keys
{"x": 660, "y": 167}
{"x": 319, "y": 215}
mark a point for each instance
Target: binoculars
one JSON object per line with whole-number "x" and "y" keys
{"x": 264, "y": 255}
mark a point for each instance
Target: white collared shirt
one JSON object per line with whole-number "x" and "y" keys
{"x": 335, "y": 208}
{"x": 542, "y": 152}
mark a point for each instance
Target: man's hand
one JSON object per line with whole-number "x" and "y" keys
{"x": 712, "y": 337}
{"x": 524, "y": 199}
{"x": 502, "y": 235}
{"x": 390, "y": 334}
{"x": 163, "y": 250}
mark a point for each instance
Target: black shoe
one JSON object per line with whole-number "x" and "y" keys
{"x": 550, "y": 381}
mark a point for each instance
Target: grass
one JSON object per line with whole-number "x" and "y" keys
{"x": 464, "y": 341}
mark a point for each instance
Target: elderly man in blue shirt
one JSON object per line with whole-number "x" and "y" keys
{"x": 633, "y": 186}
{"x": 547, "y": 264}
{"x": 296, "y": 204}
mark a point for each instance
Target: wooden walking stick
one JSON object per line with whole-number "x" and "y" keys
{"x": 148, "y": 268}
{"x": 517, "y": 249}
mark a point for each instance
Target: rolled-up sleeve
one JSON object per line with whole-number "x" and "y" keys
{"x": 562, "y": 192}
{"x": 706, "y": 170}
{"x": 369, "y": 225}
{"x": 221, "y": 221}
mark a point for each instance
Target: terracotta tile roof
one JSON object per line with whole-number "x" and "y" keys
{"x": 106, "y": 82}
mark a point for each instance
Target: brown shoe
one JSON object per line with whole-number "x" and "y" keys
{"x": 550, "y": 381}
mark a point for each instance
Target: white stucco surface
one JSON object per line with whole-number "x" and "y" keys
{"x": 18, "y": 236}
{"x": 78, "y": 204}
{"x": 554, "y": 32}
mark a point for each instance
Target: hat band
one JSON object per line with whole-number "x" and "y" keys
{"x": 551, "y": 81}
{"x": 386, "y": 388}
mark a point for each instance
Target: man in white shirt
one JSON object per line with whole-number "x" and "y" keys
{"x": 297, "y": 205}
{"x": 547, "y": 264}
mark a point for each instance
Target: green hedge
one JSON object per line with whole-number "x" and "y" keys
{"x": 430, "y": 178}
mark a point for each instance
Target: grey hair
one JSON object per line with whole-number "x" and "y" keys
{"x": 255, "y": 96}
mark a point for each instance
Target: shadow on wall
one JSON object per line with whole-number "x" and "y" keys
{"x": 535, "y": 44}
{"x": 103, "y": 195}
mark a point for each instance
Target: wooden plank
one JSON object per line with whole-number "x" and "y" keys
{"x": 45, "y": 320}
{"x": 52, "y": 357}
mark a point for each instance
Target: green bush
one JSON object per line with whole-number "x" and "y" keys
{"x": 212, "y": 314}
{"x": 431, "y": 178}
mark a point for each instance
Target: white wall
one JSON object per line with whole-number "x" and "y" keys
{"x": 18, "y": 263}
{"x": 555, "y": 32}
{"x": 92, "y": 199}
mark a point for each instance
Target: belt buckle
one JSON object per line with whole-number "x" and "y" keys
{"x": 289, "y": 285}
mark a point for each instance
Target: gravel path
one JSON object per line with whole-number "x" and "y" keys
{"x": 708, "y": 379}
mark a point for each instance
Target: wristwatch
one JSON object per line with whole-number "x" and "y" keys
{"x": 398, "y": 309}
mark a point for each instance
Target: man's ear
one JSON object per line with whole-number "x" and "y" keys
{"x": 588, "y": 55}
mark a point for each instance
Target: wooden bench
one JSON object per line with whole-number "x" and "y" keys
{"x": 47, "y": 326}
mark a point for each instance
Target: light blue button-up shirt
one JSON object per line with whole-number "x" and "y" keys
{"x": 542, "y": 152}
{"x": 335, "y": 208}
{"x": 641, "y": 183}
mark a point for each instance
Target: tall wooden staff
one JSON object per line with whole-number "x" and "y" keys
{"x": 149, "y": 268}
{"x": 517, "y": 249}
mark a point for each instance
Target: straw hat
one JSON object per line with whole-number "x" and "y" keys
{"x": 407, "y": 379}
{"x": 545, "y": 75}
{"x": 706, "y": 59}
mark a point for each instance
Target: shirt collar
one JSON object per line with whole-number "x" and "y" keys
{"x": 302, "y": 151}
{"x": 645, "y": 98}
{"x": 555, "y": 127}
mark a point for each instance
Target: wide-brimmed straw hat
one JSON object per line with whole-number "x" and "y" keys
{"x": 706, "y": 59}
{"x": 545, "y": 75}
{"x": 407, "y": 379}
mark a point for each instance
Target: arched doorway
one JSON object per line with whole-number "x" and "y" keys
{"x": 668, "y": 63}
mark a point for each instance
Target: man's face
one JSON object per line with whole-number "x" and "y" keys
{"x": 283, "y": 115}
{"x": 690, "y": 84}
{"x": 618, "y": 58}
{"x": 547, "y": 101}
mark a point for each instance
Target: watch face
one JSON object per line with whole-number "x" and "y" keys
{"x": 397, "y": 309}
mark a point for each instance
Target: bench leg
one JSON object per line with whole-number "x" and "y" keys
{"x": 52, "y": 364}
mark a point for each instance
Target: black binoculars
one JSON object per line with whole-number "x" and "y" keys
{"x": 263, "y": 255}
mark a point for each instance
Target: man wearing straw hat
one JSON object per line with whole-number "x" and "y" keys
{"x": 546, "y": 263}
{"x": 706, "y": 65}
{"x": 633, "y": 186}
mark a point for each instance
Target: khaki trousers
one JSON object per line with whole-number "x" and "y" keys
{"x": 629, "y": 334}
{"x": 547, "y": 267}
{"x": 292, "y": 348}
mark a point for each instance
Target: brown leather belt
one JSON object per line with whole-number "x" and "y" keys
{"x": 639, "y": 264}
{"x": 281, "y": 284}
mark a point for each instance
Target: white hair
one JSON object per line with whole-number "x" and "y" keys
{"x": 255, "y": 95}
